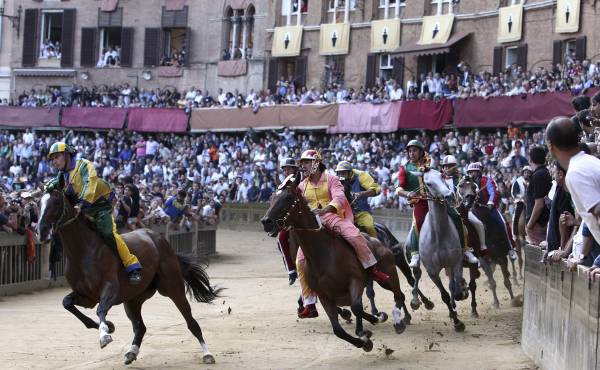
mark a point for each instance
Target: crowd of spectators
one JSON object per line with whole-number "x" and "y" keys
{"x": 573, "y": 76}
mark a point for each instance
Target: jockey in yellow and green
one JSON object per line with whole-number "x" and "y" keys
{"x": 362, "y": 186}
{"x": 93, "y": 197}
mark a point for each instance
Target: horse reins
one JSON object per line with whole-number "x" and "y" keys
{"x": 281, "y": 222}
{"x": 59, "y": 224}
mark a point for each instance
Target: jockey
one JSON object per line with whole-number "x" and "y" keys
{"x": 490, "y": 196}
{"x": 325, "y": 196}
{"x": 92, "y": 196}
{"x": 289, "y": 167}
{"x": 411, "y": 186}
{"x": 362, "y": 186}
{"x": 451, "y": 175}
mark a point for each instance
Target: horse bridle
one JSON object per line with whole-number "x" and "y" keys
{"x": 428, "y": 196}
{"x": 281, "y": 222}
{"x": 59, "y": 224}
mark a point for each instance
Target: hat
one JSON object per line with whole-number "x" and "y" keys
{"x": 288, "y": 162}
{"x": 343, "y": 166}
{"x": 474, "y": 167}
{"x": 449, "y": 160}
{"x": 310, "y": 154}
{"x": 415, "y": 143}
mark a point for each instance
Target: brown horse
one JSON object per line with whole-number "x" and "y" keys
{"x": 96, "y": 274}
{"x": 332, "y": 268}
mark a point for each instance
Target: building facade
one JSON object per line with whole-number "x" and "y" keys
{"x": 146, "y": 43}
{"x": 474, "y": 37}
{"x": 250, "y": 44}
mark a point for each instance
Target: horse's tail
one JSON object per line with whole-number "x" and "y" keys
{"x": 197, "y": 281}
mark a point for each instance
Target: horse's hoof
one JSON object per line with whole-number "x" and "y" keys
{"x": 346, "y": 315}
{"x": 368, "y": 346}
{"x": 459, "y": 326}
{"x": 381, "y": 317}
{"x": 474, "y": 315}
{"x": 414, "y": 304}
{"x": 208, "y": 359}
{"x": 365, "y": 334}
{"x": 400, "y": 327}
{"x": 111, "y": 327}
{"x": 130, "y": 357}
{"x": 429, "y": 305}
{"x": 105, "y": 340}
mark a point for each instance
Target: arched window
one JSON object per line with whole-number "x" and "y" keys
{"x": 238, "y": 30}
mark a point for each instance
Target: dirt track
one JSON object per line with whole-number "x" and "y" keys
{"x": 261, "y": 331}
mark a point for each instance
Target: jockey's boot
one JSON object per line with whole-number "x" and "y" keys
{"x": 414, "y": 261}
{"x": 377, "y": 275}
{"x": 135, "y": 277}
{"x": 512, "y": 254}
{"x": 292, "y": 276}
{"x": 471, "y": 257}
{"x": 309, "y": 312}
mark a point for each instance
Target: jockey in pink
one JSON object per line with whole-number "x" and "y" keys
{"x": 325, "y": 196}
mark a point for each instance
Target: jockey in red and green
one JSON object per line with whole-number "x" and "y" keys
{"x": 410, "y": 186}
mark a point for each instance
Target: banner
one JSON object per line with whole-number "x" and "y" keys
{"x": 567, "y": 16}
{"x": 436, "y": 29}
{"x": 510, "y": 23}
{"x": 358, "y": 118}
{"x": 334, "y": 39}
{"x": 536, "y": 109}
{"x": 232, "y": 68}
{"x": 157, "y": 120}
{"x": 425, "y": 114}
{"x": 29, "y": 117}
{"x": 286, "y": 41}
{"x": 385, "y": 35}
{"x": 91, "y": 117}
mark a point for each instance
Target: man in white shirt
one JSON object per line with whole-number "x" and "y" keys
{"x": 583, "y": 173}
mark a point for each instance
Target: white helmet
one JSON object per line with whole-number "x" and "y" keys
{"x": 449, "y": 160}
{"x": 476, "y": 166}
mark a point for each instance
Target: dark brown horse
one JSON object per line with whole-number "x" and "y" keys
{"x": 332, "y": 268}
{"x": 96, "y": 274}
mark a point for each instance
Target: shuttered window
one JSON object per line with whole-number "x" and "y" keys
{"x": 300, "y": 71}
{"x": 152, "y": 49}
{"x": 522, "y": 57}
{"x": 580, "y": 48}
{"x": 497, "y": 60}
{"x": 273, "y": 74}
{"x": 174, "y": 18}
{"x": 30, "y": 33}
{"x": 398, "y": 70}
{"x": 556, "y": 52}
{"x": 68, "y": 38}
{"x": 110, "y": 19}
{"x": 371, "y": 73}
{"x": 89, "y": 47}
{"x": 127, "y": 47}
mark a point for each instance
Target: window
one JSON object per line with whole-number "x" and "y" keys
{"x": 512, "y": 56}
{"x": 342, "y": 4}
{"x": 239, "y": 34}
{"x": 51, "y": 34}
{"x": 385, "y": 66}
{"x": 110, "y": 47}
{"x": 334, "y": 70}
{"x": 392, "y": 3}
{"x": 285, "y": 6}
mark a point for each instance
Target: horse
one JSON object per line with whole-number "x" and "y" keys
{"x": 332, "y": 268}
{"x": 97, "y": 277}
{"x": 388, "y": 239}
{"x": 440, "y": 246}
{"x": 495, "y": 235}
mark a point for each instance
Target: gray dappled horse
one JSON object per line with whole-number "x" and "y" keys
{"x": 440, "y": 246}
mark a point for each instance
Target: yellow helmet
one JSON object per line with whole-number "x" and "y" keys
{"x": 60, "y": 147}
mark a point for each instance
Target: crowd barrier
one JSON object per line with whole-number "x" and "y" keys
{"x": 536, "y": 109}
{"x": 246, "y": 217}
{"x": 17, "y": 275}
{"x": 560, "y": 315}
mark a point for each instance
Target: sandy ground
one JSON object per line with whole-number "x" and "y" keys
{"x": 261, "y": 331}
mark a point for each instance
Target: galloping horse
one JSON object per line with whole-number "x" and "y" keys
{"x": 440, "y": 246}
{"x": 332, "y": 269}
{"x": 388, "y": 239}
{"x": 96, "y": 274}
{"x": 496, "y": 238}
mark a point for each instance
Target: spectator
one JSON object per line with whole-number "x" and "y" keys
{"x": 537, "y": 212}
{"x": 559, "y": 233}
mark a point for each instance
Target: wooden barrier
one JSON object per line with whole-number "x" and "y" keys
{"x": 19, "y": 276}
{"x": 560, "y": 315}
{"x": 246, "y": 217}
